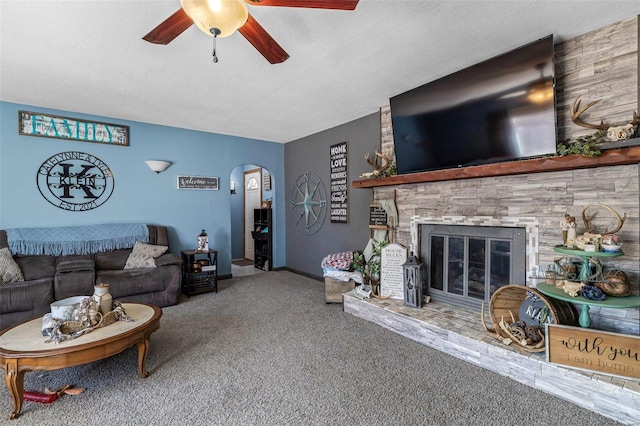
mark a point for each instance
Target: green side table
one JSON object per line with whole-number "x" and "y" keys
{"x": 626, "y": 302}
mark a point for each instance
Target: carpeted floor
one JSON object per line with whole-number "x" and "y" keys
{"x": 267, "y": 350}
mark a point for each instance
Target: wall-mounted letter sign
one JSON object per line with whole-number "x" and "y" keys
{"x": 338, "y": 155}
{"x": 198, "y": 182}
{"x": 594, "y": 350}
{"x": 53, "y": 126}
{"x": 75, "y": 181}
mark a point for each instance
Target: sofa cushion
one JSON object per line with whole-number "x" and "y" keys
{"x": 137, "y": 281}
{"x": 143, "y": 255}
{"x": 24, "y": 300}
{"x": 115, "y": 259}
{"x": 36, "y": 267}
{"x": 75, "y": 262}
{"x": 9, "y": 270}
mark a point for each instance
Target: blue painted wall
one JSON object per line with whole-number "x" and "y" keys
{"x": 140, "y": 195}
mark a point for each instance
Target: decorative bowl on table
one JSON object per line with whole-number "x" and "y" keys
{"x": 63, "y": 309}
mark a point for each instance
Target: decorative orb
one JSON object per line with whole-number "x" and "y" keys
{"x": 612, "y": 243}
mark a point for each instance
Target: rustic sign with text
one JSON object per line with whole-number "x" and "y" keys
{"x": 392, "y": 257}
{"x": 198, "y": 182}
{"x": 339, "y": 208}
{"x": 377, "y": 217}
{"x": 594, "y": 350}
{"x": 57, "y": 127}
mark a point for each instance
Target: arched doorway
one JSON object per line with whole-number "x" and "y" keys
{"x": 250, "y": 186}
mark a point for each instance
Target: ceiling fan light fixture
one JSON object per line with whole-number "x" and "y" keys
{"x": 541, "y": 90}
{"x": 224, "y": 15}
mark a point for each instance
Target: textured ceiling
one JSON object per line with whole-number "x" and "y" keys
{"x": 89, "y": 57}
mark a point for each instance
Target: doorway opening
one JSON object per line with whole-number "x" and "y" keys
{"x": 250, "y": 187}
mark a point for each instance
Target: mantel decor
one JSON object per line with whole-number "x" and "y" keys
{"x": 609, "y": 157}
{"x": 57, "y": 127}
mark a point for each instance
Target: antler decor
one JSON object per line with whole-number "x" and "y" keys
{"x": 380, "y": 163}
{"x": 616, "y": 133}
{"x": 589, "y": 225}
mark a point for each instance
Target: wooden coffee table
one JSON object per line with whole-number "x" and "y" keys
{"x": 22, "y": 347}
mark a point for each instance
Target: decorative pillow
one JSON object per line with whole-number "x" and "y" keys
{"x": 9, "y": 270}
{"x": 144, "y": 255}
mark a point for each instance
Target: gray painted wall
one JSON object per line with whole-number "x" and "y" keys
{"x": 311, "y": 154}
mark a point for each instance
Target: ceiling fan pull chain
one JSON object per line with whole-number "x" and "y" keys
{"x": 215, "y": 33}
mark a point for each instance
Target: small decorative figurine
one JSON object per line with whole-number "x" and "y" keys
{"x": 571, "y": 232}
{"x": 565, "y": 223}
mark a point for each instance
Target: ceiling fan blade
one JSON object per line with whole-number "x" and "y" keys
{"x": 169, "y": 29}
{"x": 262, "y": 41}
{"x": 316, "y": 4}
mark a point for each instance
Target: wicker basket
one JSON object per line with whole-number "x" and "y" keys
{"x": 506, "y": 301}
{"x": 509, "y": 298}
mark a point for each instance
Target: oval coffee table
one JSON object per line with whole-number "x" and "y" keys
{"x": 22, "y": 347}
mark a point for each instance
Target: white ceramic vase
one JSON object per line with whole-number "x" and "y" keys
{"x": 102, "y": 297}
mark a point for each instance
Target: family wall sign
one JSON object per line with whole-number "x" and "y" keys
{"x": 57, "y": 127}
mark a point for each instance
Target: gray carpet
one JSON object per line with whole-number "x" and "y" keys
{"x": 267, "y": 350}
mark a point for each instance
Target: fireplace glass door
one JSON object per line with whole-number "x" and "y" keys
{"x": 465, "y": 265}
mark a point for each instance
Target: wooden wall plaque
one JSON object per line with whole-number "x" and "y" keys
{"x": 594, "y": 350}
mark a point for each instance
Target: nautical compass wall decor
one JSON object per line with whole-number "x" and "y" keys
{"x": 308, "y": 203}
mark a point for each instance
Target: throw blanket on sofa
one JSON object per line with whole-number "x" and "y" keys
{"x": 76, "y": 239}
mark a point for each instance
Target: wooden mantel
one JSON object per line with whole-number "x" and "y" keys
{"x": 609, "y": 157}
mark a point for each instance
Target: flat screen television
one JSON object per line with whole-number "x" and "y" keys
{"x": 502, "y": 109}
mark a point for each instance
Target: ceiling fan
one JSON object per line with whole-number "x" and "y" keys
{"x": 221, "y": 18}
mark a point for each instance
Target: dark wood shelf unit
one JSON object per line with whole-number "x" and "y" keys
{"x": 202, "y": 279}
{"x": 609, "y": 157}
{"x": 263, "y": 241}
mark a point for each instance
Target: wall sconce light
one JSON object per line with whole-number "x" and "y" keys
{"x": 158, "y": 165}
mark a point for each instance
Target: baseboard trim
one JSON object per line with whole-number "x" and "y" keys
{"x": 304, "y": 274}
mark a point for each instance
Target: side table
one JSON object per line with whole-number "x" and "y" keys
{"x": 199, "y": 271}
{"x": 585, "y": 320}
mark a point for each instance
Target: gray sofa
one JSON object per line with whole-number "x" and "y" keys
{"x": 51, "y": 278}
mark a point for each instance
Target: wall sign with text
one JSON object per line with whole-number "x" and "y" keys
{"x": 392, "y": 257}
{"x": 339, "y": 208}
{"x": 594, "y": 350}
{"x": 53, "y": 126}
{"x": 377, "y": 217}
{"x": 204, "y": 183}
{"x": 75, "y": 181}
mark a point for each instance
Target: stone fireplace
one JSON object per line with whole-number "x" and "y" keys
{"x": 537, "y": 203}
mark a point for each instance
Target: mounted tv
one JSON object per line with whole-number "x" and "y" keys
{"x": 502, "y": 109}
